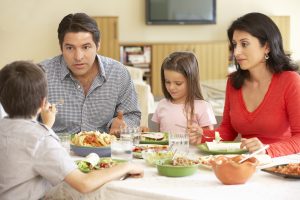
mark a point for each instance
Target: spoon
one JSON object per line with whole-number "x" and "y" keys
{"x": 254, "y": 153}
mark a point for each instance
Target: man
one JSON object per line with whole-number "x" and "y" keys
{"x": 93, "y": 88}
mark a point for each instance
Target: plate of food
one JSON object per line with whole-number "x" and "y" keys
{"x": 137, "y": 150}
{"x": 94, "y": 162}
{"x": 291, "y": 170}
{"x": 221, "y": 148}
{"x": 87, "y": 142}
{"x": 206, "y": 161}
{"x": 154, "y": 138}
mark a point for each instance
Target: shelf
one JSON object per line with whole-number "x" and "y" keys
{"x": 139, "y": 56}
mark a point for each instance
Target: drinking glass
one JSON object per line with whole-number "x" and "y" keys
{"x": 65, "y": 140}
{"x": 121, "y": 149}
{"x": 131, "y": 133}
{"x": 136, "y": 135}
{"x": 179, "y": 141}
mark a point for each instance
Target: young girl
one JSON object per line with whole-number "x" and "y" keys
{"x": 183, "y": 104}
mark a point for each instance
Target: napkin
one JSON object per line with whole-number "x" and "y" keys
{"x": 92, "y": 158}
{"x": 221, "y": 146}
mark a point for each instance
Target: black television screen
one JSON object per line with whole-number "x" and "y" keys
{"x": 180, "y": 12}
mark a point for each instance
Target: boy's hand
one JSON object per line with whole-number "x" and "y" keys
{"x": 135, "y": 171}
{"x": 48, "y": 113}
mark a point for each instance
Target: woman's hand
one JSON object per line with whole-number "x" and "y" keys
{"x": 48, "y": 113}
{"x": 195, "y": 133}
{"x": 252, "y": 144}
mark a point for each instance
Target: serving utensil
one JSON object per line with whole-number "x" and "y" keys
{"x": 174, "y": 154}
{"x": 254, "y": 153}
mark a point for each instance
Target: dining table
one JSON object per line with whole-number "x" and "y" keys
{"x": 201, "y": 185}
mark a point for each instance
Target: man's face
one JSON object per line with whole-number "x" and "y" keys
{"x": 79, "y": 51}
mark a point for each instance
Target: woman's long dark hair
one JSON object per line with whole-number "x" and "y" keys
{"x": 266, "y": 31}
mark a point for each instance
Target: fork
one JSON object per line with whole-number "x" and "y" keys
{"x": 60, "y": 102}
{"x": 124, "y": 177}
{"x": 181, "y": 126}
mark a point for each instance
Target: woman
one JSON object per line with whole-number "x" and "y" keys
{"x": 262, "y": 96}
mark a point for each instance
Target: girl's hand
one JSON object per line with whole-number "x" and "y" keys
{"x": 195, "y": 133}
{"x": 48, "y": 113}
{"x": 252, "y": 144}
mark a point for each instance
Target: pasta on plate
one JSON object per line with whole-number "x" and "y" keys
{"x": 92, "y": 139}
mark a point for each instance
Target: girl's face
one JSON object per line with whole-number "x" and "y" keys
{"x": 176, "y": 85}
{"x": 248, "y": 51}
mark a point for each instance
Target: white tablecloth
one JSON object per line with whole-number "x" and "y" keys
{"x": 202, "y": 185}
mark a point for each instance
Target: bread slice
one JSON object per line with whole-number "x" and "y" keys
{"x": 153, "y": 135}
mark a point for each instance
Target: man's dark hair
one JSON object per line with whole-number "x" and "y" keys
{"x": 78, "y": 22}
{"x": 23, "y": 86}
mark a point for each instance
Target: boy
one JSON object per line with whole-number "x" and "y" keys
{"x": 32, "y": 158}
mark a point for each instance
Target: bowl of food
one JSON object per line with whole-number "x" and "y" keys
{"x": 151, "y": 156}
{"x": 87, "y": 142}
{"x": 177, "y": 167}
{"x": 230, "y": 172}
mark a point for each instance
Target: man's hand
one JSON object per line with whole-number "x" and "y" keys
{"x": 117, "y": 124}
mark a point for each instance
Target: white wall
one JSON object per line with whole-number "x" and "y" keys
{"x": 28, "y": 27}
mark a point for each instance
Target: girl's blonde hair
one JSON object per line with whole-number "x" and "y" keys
{"x": 186, "y": 64}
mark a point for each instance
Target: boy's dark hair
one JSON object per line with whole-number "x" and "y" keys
{"x": 78, "y": 22}
{"x": 266, "y": 31}
{"x": 23, "y": 86}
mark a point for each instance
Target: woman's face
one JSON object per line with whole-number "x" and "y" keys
{"x": 176, "y": 85}
{"x": 248, "y": 51}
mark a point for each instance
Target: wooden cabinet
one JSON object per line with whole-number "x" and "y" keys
{"x": 109, "y": 38}
{"x": 283, "y": 23}
{"x": 213, "y": 59}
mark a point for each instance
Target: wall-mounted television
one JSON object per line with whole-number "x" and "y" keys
{"x": 180, "y": 12}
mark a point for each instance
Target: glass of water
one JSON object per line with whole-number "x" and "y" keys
{"x": 179, "y": 141}
{"x": 121, "y": 149}
{"x": 65, "y": 140}
{"x": 131, "y": 133}
{"x": 136, "y": 135}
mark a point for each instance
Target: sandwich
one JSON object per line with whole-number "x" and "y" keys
{"x": 153, "y": 136}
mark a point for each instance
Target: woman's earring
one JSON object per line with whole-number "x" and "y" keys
{"x": 267, "y": 56}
